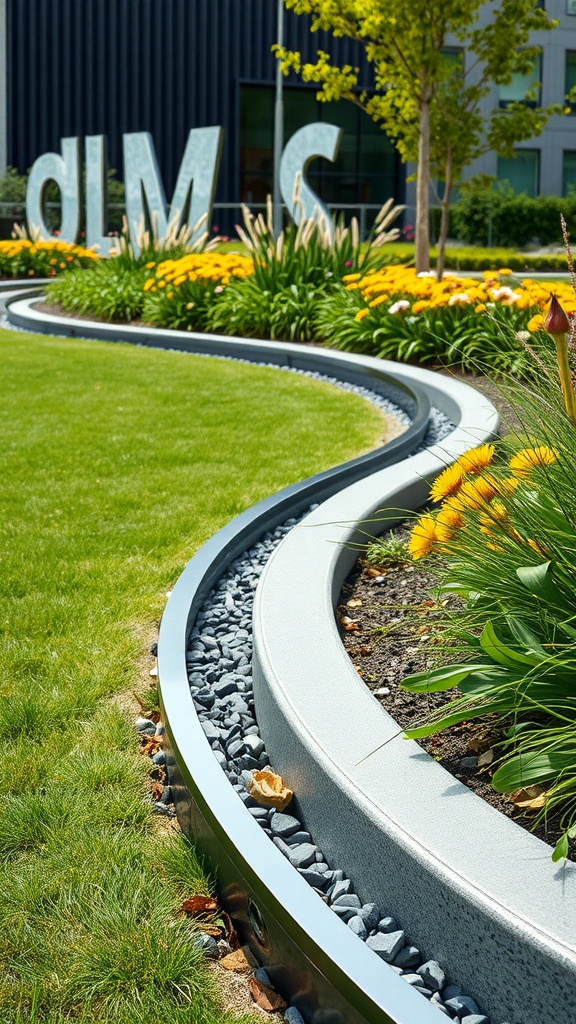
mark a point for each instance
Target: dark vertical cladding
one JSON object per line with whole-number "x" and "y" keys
{"x": 80, "y": 67}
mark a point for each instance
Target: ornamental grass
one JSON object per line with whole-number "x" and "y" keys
{"x": 502, "y": 530}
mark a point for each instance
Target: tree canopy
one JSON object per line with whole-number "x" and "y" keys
{"x": 428, "y": 103}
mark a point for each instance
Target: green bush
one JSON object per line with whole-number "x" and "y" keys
{"x": 516, "y": 220}
{"x": 114, "y": 290}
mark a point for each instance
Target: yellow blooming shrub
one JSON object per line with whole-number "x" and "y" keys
{"x": 181, "y": 292}
{"x": 23, "y": 257}
{"x": 211, "y": 268}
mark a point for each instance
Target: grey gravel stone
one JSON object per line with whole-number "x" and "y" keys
{"x": 145, "y": 726}
{"x": 475, "y": 1018}
{"x": 347, "y": 900}
{"x": 370, "y": 914}
{"x": 298, "y": 837}
{"x": 344, "y": 913}
{"x": 340, "y": 888}
{"x": 386, "y": 944}
{"x": 262, "y": 976}
{"x": 254, "y": 745}
{"x": 284, "y": 824}
{"x": 293, "y": 1016}
{"x": 387, "y": 924}
{"x": 462, "y": 1005}
{"x": 207, "y": 944}
{"x": 432, "y": 975}
{"x": 302, "y": 856}
{"x": 356, "y": 924}
{"x": 409, "y": 956}
{"x": 314, "y": 878}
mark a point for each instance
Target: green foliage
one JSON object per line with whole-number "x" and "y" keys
{"x": 388, "y": 552}
{"x": 190, "y": 309}
{"x": 114, "y": 290}
{"x": 515, "y": 219}
{"x": 13, "y": 188}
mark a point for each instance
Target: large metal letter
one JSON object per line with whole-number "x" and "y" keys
{"x": 96, "y": 194}
{"x": 318, "y": 139}
{"x": 65, "y": 171}
{"x": 198, "y": 172}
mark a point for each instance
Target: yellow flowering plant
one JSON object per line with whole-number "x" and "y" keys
{"x": 181, "y": 293}
{"x": 26, "y": 257}
{"x": 394, "y": 313}
{"x": 502, "y": 529}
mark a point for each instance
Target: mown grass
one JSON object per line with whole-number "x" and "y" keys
{"x": 117, "y": 463}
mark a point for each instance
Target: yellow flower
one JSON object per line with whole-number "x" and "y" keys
{"x": 480, "y": 308}
{"x": 532, "y": 458}
{"x": 448, "y": 482}
{"x": 536, "y": 323}
{"x": 504, "y": 270}
{"x": 361, "y": 314}
{"x": 477, "y": 459}
{"x": 423, "y": 538}
{"x": 475, "y": 493}
{"x": 419, "y": 306}
{"x": 448, "y": 521}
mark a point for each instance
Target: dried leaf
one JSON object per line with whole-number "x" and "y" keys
{"x": 532, "y": 798}
{"x": 354, "y": 603}
{"x": 157, "y": 790}
{"x": 350, "y": 627}
{"x": 198, "y": 905}
{"x": 150, "y": 745}
{"x": 269, "y": 790}
{"x": 265, "y": 997}
{"x": 477, "y": 743}
{"x": 236, "y": 961}
{"x": 370, "y": 571}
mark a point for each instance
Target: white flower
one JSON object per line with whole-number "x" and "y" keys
{"x": 460, "y": 299}
{"x": 427, "y": 273}
{"x": 399, "y": 307}
{"x": 504, "y": 294}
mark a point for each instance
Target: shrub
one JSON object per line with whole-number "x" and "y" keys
{"x": 23, "y": 257}
{"x": 395, "y": 314}
{"x": 515, "y": 220}
{"x": 181, "y": 293}
{"x": 113, "y": 291}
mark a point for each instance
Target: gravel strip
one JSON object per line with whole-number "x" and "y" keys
{"x": 219, "y": 665}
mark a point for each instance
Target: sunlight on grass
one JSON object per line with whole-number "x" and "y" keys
{"x": 117, "y": 464}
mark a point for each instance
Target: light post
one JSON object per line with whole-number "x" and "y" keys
{"x": 278, "y": 126}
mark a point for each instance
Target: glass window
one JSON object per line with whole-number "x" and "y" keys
{"x": 568, "y": 172}
{"x": 520, "y": 85}
{"x": 522, "y": 171}
{"x": 570, "y": 78}
{"x": 570, "y": 6}
{"x": 366, "y": 170}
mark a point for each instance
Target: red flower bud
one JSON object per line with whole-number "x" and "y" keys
{"x": 556, "y": 321}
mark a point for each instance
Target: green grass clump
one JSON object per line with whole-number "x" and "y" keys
{"x": 118, "y": 463}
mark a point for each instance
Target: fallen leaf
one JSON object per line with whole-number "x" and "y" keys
{"x": 198, "y": 905}
{"x": 265, "y": 997}
{"x": 236, "y": 961}
{"x": 373, "y": 572}
{"x": 269, "y": 790}
{"x": 150, "y": 745}
{"x": 354, "y": 603}
{"x": 477, "y": 743}
{"x": 532, "y": 798}
{"x": 157, "y": 790}
{"x": 350, "y": 627}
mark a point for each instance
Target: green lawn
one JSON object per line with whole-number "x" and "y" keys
{"x": 117, "y": 463}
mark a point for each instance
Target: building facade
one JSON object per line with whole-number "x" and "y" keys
{"x": 88, "y": 67}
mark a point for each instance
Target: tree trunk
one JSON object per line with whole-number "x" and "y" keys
{"x": 445, "y": 204}
{"x": 422, "y": 191}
